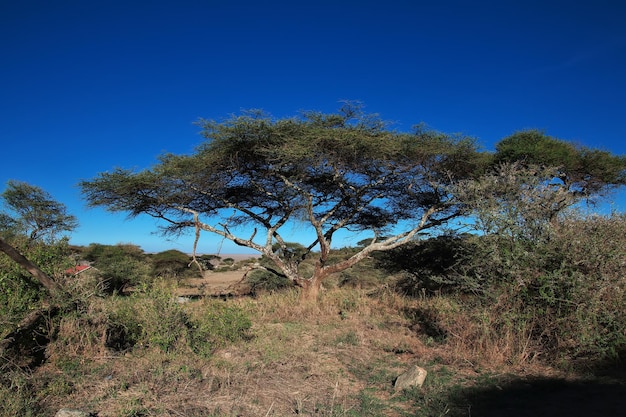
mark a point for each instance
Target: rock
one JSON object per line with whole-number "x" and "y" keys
{"x": 66, "y": 412}
{"x": 413, "y": 377}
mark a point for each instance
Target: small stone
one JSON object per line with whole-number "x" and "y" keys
{"x": 66, "y": 412}
{"x": 413, "y": 377}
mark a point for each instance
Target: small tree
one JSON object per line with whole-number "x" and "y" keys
{"x": 35, "y": 212}
{"x": 119, "y": 266}
{"x": 343, "y": 171}
{"x": 535, "y": 177}
{"x": 171, "y": 263}
{"x": 533, "y": 181}
{"x": 581, "y": 171}
{"x": 28, "y": 231}
{"x": 32, "y": 212}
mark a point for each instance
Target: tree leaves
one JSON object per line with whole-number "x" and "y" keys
{"x": 35, "y": 212}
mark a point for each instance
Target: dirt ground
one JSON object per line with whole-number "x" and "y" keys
{"x": 213, "y": 284}
{"x": 223, "y": 283}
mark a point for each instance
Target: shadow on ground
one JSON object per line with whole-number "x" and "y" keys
{"x": 603, "y": 393}
{"x": 543, "y": 397}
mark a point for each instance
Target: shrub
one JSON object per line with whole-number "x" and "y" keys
{"x": 119, "y": 266}
{"x": 19, "y": 292}
{"x": 162, "y": 319}
{"x": 573, "y": 281}
{"x": 217, "y": 325}
{"x": 559, "y": 295}
{"x": 436, "y": 264}
{"x": 154, "y": 318}
{"x": 261, "y": 280}
{"x": 172, "y": 264}
{"x": 150, "y": 317}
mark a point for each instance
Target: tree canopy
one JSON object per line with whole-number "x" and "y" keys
{"x": 583, "y": 171}
{"x": 32, "y": 216}
{"x": 345, "y": 170}
{"x": 34, "y": 212}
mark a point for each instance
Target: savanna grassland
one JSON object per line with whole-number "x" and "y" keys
{"x": 529, "y": 329}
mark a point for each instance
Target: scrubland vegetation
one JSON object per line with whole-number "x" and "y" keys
{"x": 483, "y": 268}
{"x": 477, "y": 314}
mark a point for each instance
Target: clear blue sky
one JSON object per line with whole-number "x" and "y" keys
{"x": 92, "y": 85}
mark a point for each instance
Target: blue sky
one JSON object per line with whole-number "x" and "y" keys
{"x": 92, "y": 85}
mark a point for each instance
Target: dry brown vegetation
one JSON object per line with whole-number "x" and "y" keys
{"x": 501, "y": 349}
{"x": 338, "y": 357}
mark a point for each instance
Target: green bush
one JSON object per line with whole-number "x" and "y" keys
{"x": 154, "y": 318}
{"x": 437, "y": 265}
{"x": 172, "y": 264}
{"x": 162, "y": 319}
{"x": 261, "y": 280}
{"x": 573, "y": 280}
{"x": 19, "y": 291}
{"x": 218, "y": 325}
{"x": 561, "y": 294}
{"x": 150, "y": 318}
{"x": 124, "y": 326}
{"x": 18, "y": 294}
{"x": 118, "y": 266}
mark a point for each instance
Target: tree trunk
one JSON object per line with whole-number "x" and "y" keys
{"x": 22, "y": 261}
{"x": 310, "y": 289}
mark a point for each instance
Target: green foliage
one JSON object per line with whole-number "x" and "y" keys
{"x": 149, "y": 318}
{"x": 365, "y": 274}
{"x": 578, "y": 279}
{"x": 36, "y": 214}
{"x": 162, "y": 320}
{"x": 119, "y": 266}
{"x": 571, "y": 284}
{"x": 154, "y": 318}
{"x": 583, "y": 170}
{"x": 124, "y": 324}
{"x": 342, "y": 171}
{"x": 516, "y": 201}
{"x": 261, "y": 280}
{"x": 216, "y": 326}
{"x": 551, "y": 276}
{"x": 434, "y": 265}
{"x": 207, "y": 261}
{"x": 171, "y": 263}
{"x": 17, "y": 297}
{"x": 19, "y": 292}
{"x": 267, "y": 278}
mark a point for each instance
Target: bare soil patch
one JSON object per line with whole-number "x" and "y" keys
{"x": 219, "y": 283}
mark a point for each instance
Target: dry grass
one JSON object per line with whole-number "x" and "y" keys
{"x": 338, "y": 357}
{"x": 302, "y": 359}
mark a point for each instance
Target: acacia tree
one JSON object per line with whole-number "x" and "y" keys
{"x": 533, "y": 179}
{"x": 33, "y": 212}
{"x": 36, "y": 212}
{"x": 574, "y": 172}
{"x": 337, "y": 171}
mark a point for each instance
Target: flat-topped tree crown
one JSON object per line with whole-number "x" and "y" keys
{"x": 345, "y": 170}
{"x": 586, "y": 172}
